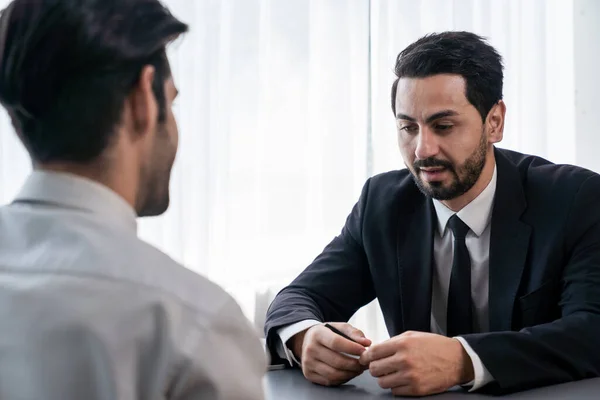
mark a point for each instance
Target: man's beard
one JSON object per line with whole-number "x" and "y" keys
{"x": 153, "y": 195}
{"x": 470, "y": 171}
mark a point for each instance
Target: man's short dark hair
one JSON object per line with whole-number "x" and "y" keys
{"x": 460, "y": 53}
{"x": 67, "y": 66}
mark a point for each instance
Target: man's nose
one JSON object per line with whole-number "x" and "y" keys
{"x": 427, "y": 145}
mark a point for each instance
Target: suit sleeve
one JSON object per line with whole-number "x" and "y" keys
{"x": 333, "y": 287}
{"x": 567, "y": 348}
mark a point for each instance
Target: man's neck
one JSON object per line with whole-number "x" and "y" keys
{"x": 94, "y": 172}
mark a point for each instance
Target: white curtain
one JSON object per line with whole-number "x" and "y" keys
{"x": 285, "y": 111}
{"x": 272, "y": 114}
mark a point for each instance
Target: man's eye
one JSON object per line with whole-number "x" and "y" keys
{"x": 443, "y": 127}
{"x": 410, "y": 128}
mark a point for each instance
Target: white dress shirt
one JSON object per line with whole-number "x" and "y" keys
{"x": 92, "y": 312}
{"x": 477, "y": 216}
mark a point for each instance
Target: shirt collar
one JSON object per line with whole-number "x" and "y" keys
{"x": 476, "y": 214}
{"x": 72, "y": 191}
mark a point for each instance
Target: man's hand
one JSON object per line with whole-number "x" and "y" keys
{"x": 418, "y": 364}
{"x": 320, "y": 353}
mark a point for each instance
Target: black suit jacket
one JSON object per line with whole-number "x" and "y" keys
{"x": 544, "y": 270}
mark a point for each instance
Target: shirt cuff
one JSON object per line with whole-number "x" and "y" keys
{"x": 482, "y": 375}
{"x": 286, "y": 333}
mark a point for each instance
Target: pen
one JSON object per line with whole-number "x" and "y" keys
{"x": 340, "y": 333}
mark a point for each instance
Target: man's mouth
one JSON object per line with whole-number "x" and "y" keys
{"x": 433, "y": 169}
{"x": 431, "y": 174}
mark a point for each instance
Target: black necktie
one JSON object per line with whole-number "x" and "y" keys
{"x": 459, "y": 320}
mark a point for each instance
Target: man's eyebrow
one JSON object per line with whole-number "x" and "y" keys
{"x": 405, "y": 117}
{"x": 441, "y": 114}
{"x": 431, "y": 118}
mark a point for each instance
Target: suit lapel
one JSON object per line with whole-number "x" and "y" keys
{"x": 415, "y": 254}
{"x": 509, "y": 243}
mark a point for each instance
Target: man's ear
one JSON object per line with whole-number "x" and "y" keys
{"x": 495, "y": 122}
{"x": 142, "y": 103}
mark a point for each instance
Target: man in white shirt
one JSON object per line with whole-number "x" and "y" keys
{"x": 89, "y": 310}
{"x": 485, "y": 262}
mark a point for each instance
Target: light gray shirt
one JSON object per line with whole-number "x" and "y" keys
{"x": 476, "y": 215}
{"x": 89, "y": 311}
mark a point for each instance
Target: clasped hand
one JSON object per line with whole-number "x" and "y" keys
{"x": 410, "y": 364}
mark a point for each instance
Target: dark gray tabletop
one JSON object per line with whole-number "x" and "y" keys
{"x": 291, "y": 385}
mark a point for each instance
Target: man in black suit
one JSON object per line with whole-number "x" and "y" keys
{"x": 485, "y": 262}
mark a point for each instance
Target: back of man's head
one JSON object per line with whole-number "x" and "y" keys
{"x": 67, "y": 66}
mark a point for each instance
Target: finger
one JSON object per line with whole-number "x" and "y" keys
{"x": 382, "y": 350}
{"x": 353, "y": 333}
{"x": 405, "y": 390}
{"x": 395, "y": 379}
{"x": 316, "y": 378}
{"x": 337, "y": 360}
{"x": 365, "y": 359}
{"x": 357, "y": 335}
{"x": 333, "y": 376}
{"x": 323, "y": 374}
{"x": 382, "y": 367}
{"x": 316, "y": 353}
{"x": 338, "y": 343}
